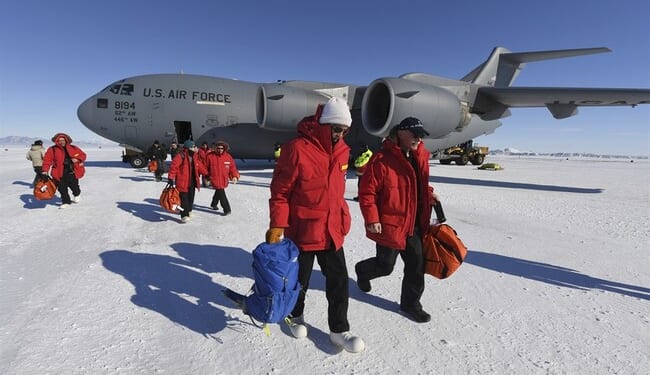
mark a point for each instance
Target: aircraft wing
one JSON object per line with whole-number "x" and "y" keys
{"x": 492, "y": 102}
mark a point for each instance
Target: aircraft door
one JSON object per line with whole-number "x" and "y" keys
{"x": 183, "y": 131}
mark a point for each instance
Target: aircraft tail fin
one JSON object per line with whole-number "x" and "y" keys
{"x": 503, "y": 66}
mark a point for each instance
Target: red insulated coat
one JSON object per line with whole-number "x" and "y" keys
{"x": 388, "y": 194}
{"x": 179, "y": 171}
{"x": 202, "y": 153}
{"x": 221, "y": 168}
{"x": 55, "y": 156}
{"x": 308, "y": 186}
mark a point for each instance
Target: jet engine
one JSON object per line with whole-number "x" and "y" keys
{"x": 282, "y": 107}
{"x": 387, "y": 101}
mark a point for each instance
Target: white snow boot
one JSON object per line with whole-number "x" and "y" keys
{"x": 348, "y": 341}
{"x": 296, "y": 326}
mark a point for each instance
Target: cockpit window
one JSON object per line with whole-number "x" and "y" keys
{"x": 122, "y": 89}
{"x": 102, "y": 103}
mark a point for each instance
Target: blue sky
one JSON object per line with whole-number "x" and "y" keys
{"x": 53, "y": 55}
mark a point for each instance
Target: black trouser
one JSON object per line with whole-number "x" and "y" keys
{"x": 332, "y": 264}
{"x": 220, "y": 196}
{"x": 38, "y": 170}
{"x": 68, "y": 181}
{"x": 384, "y": 262}
{"x": 160, "y": 169}
{"x": 187, "y": 201}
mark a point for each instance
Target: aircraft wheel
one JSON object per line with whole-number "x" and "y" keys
{"x": 138, "y": 161}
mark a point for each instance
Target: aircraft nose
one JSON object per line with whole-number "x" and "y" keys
{"x": 85, "y": 112}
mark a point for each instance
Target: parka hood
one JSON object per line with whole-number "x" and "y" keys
{"x": 226, "y": 146}
{"x": 59, "y": 135}
{"x": 310, "y": 127}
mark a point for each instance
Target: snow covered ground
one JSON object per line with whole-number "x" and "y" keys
{"x": 556, "y": 281}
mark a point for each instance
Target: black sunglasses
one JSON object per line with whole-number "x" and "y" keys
{"x": 339, "y": 129}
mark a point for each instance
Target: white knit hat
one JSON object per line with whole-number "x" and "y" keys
{"x": 336, "y": 111}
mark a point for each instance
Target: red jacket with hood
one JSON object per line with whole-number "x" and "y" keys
{"x": 308, "y": 186}
{"x": 55, "y": 156}
{"x": 388, "y": 194}
{"x": 179, "y": 171}
{"x": 221, "y": 168}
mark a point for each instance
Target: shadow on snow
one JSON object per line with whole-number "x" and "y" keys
{"x": 554, "y": 275}
{"x": 512, "y": 185}
{"x": 180, "y": 289}
{"x": 31, "y": 203}
{"x": 149, "y": 211}
{"x": 107, "y": 164}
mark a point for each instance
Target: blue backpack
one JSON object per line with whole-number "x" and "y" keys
{"x": 276, "y": 288}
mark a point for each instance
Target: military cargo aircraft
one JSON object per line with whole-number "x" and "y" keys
{"x": 253, "y": 117}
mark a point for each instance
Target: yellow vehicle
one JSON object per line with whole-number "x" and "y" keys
{"x": 491, "y": 167}
{"x": 464, "y": 153}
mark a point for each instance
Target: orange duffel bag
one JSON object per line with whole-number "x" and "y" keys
{"x": 443, "y": 251}
{"x": 170, "y": 199}
{"x": 45, "y": 189}
{"x": 152, "y": 166}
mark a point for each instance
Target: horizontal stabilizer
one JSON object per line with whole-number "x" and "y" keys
{"x": 524, "y": 57}
{"x": 503, "y": 66}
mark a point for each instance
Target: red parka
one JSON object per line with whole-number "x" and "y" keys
{"x": 179, "y": 171}
{"x": 202, "y": 154}
{"x": 55, "y": 155}
{"x": 221, "y": 168}
{"x": 388, "y": 194}
{"x": 308, "y": 187}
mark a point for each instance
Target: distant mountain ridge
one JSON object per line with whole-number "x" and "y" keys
{"x": 514, "y": 152}
{"x": 15, "y": 140}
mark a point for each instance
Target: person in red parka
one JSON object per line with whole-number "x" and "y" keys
{"x": 308, "y": 207}
{"x": 221, "y": 168}
{"x": 185, "y": 173}
{"x": 396, "y": 200}
{"x": 202, "y": 155}
{"x": 65, "y": 163}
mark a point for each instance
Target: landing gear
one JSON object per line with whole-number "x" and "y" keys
{"x": 138, "y": 161}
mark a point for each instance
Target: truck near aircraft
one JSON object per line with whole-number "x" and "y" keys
{"x": 466, "y": 152}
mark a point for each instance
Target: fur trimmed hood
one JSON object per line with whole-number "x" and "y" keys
{"x": 62, "y": 135}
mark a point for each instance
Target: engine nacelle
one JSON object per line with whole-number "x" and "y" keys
{"x": 282, "y": 107}
{"x": 387, "y": 101}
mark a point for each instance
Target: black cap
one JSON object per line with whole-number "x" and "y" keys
{"x": 414, "y": 125}
{"x": 156, "y": 142}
